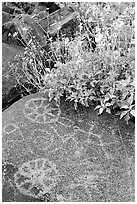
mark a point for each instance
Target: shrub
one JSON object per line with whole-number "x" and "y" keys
{"x": 105, "y": 76}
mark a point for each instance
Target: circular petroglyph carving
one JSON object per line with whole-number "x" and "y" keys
{"x": 10, "y": 128}
{"x": 39, "y": 110}
{"x": 91, "y": 162}
{"x": 36, "y": 177}
{"x": 12, "y": 132}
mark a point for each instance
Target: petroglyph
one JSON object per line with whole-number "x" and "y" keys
{"x": 10, "y": 128}
{"x": 16, "y": 151}
{"x": 36, "y": 102}
{"x": 12, "y": 132}
{"x": 42, "y": 139}
{"x": 65, "y": 121}
{"x": 39, "y": 110}
{"x": 53, "y": 152}
{"x": 46, "y": 139}
{"x": 37, "y": 177}
{"x": 103, "y": 140}
{"x": 80, "y": 135}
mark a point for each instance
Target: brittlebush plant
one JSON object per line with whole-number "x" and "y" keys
{"x": 105, "y": 75}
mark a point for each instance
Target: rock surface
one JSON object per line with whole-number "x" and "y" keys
{"x": 8, "y": 79}
{"x": 37, "y": 25}
{"x": 11, "y": 90}
{"x": 49, "y": 7}
{"x": 53, "y": 22}
{"x": 6, "y": 17}
{"x": 28, "y": 7}
{"x": 50, "y": 155}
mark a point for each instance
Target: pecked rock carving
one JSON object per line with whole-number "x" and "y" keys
{"x": 36, "y": 177}
{"x": 55, "y": 157}
{"x": 40, "y": 111}
{"x": 12, "y": 133}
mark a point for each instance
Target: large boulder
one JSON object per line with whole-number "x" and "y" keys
{"x": 29, "y": 7}
{"x": 54, "y": 22}
{"x": 39, "y": 26}
{"x": 6, "y": 17}
{"x": 21, "y": 29}
{"x": 50, "y": 7}
{"x": 53, "y": 153}
{"x": 12, "y": 7}
{"x": 10, "y": 34}
{"x": 18, "y": 7}
{"x": 7, "y": 8}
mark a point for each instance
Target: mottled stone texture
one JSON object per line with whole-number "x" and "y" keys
{"x": 6, "y": 17}
{"x": 37, "y": 25}
{"x": 53, "y": 153}
{"x": 9, "y": 82}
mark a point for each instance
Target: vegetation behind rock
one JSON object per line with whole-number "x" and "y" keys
{"x": 96, "y": 65}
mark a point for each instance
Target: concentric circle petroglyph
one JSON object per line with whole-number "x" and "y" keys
{"x": 39, "y": 110}
{"x": 36, "y": 177}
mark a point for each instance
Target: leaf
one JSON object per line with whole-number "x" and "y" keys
{"x": 86, "y": 102}
{"x": 111, "y": 91}
{"x": 123, "y": 114}
{"x": 100, "y": 111}
{"x": 128, "y": 79}
{"x": 102, "y": 104}
{"x": 74, "y": 95}
{"x": 102, "y": 90}
{"x": 97, "y": 107}
{"x": 75, "y": 105}
{"x": 108, "y": 110}
{"x": 108, "y": 104}
{"x": 130, "y": 99}
{"x": 127, "y": 117}
{"x": 125, "y": 107}
{"x": 133, "y": 112}
{"x": 118, "y": 113}
{"x": 106, "y": 99}
{"x": 91, "y": 98}
{"x": 125, "y": 93}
